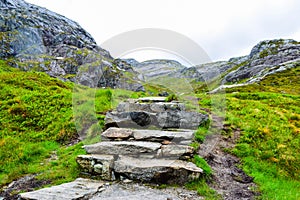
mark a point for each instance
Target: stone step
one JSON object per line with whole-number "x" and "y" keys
{"x": 100, "y": 165}
{"x": 150, "y": 107}
{"x": 176, "y": 151}
{"x": 122, "y": 147}
{"x": 152, "y": 99}
{"x": 162, "y": 120}
{"x": 78, "y": 189}
{"x": 156, "y": 170}
{"x": 175, "y": 136}
{"x": 139, "y": 149}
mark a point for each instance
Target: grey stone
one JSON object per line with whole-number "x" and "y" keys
{"x": 122, "y": 147}
{"x": 114, "y": 133}
{"x": 135, "y": 119}
{"x": 158, "y": 135}
{"x": 100, "y": 165}
{"x": 78, "y": 189}
{"x": 142, "y": 120}
{"x": 155, "y": 107}
{"x": 182, "y": 119}
{"x": 49, "y": 42}
{"x": 134, "y": 191}
{"x": 152, "y": 69}
{"x": 152, "y": 99}
{"x": 171, "y": 151}
{"x": 157, "y": 170}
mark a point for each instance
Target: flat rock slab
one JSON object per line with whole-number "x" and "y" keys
{"x": 136, "y": 191}
{"x": 176, "y": 150}
{"x": 175, "y": 136}
{"x": 122, "y": 147}
{"x": 157, "y": 170}
{"x": 150, "y": 107}
{"x": 114, "y": 133}
{"x": 158, "y": 135}
{"x": 78, "y": 189}
{"x": 152, "y": 99}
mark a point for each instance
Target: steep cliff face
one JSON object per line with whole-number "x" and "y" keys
{"x": 34, "y": 38}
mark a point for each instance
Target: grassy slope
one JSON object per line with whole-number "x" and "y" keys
{"x": 37, "y": 122}
{"x": 36, "y": 118}
{"x": 268, "y": 115}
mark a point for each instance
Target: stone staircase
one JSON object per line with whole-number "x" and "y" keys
{"x": 146, "y": 140}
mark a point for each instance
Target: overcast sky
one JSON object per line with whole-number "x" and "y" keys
{"x": 224, "y": 29}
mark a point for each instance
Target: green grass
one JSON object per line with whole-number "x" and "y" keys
{"x": 201, "y": 163}
{"x": 203, "y": 189}
{"x": 268, "y": 115}
{"x": 40, "y": 116}
{"x": 269, "y": 144}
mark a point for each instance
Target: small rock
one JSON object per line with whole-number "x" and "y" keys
{"x": 116, "y": 134}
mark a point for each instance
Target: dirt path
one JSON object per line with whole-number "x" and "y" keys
{"x": 228, "y": 180}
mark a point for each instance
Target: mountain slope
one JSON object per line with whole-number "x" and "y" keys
{"x": 35, "y": 39}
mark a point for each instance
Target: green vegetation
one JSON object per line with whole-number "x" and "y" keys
{"x": 200, "y": 162}
{"x": 171, "y": 97}
{"x": 268, "y": 116}
{"x": 37, "y": 123}
{"x": 269, "y": 144}
{"x": 203, "y": 189}
{"x": 40, "y": 117}
{"x": 36, "y": 119}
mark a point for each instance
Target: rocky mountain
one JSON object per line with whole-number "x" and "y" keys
{"x": 151, "y": 69}
{"x": 267, "y": 57}
{"x": 34, "y": 38}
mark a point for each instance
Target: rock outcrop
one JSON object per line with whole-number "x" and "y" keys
{"x": 34, "y": 38}
{"x": 146, "y": 155}
{"x": 264, "y": 56}
{"x": 152, "y": 69}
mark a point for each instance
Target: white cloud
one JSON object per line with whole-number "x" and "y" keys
{"x": 223, "y": 28}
